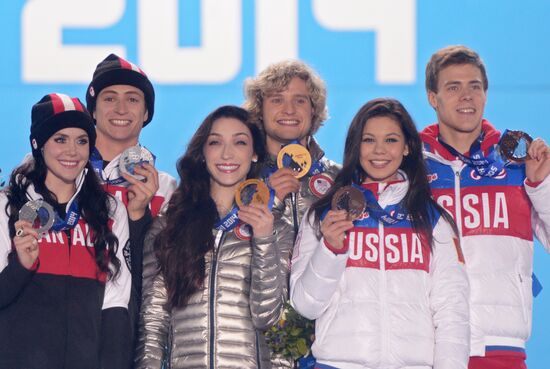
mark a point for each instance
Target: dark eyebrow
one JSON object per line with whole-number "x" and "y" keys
{"x": 241, "y": 134}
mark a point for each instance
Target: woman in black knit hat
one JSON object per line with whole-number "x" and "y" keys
{"x": 63, "y": 288}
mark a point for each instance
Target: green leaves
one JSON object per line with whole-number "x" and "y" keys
{"x": 292, "y": 336}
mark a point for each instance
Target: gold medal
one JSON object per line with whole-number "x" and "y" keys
{"x": 252, "y": 191}
{"x": 350, "y": 199}
{"x": 295, "y": 157}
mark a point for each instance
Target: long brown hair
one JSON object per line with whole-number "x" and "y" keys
{"x": 191, "y": 213}
{"x": 93, "y": 201}
{"x": 418, "y": 201}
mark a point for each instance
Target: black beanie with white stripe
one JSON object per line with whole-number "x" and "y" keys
{"x": 55, "y": 112}
{"x": 114, "y": 70}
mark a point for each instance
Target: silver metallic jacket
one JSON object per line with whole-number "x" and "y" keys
{"x": 294, "y": 207}
{"x": 222, "y": 324}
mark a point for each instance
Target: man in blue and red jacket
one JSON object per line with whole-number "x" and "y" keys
{"x": 499, "y": 206}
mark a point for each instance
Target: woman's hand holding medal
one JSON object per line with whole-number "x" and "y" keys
{"x": 347, "y": 205}
{"x": 259, "y": 217}
{"x": 253, "y": 198}
{"x": 537, "y": 163}
{"x": 26, "y": 243}
{"x": 334, "y": 227}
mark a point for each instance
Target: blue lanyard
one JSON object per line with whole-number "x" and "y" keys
{"x": 393, "y": 215}
{"x": 97, "y": 164}
{"x": 71, "y": 218}
{"x": 489, "y": 166}
{"x": 229, "y": 221}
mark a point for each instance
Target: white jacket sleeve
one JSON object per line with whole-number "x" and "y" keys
{"x": 449, "y": 301}
{"x": 540, "y": 216}
{"x": 117, "y": 291}
{"x": 315, "y": 272}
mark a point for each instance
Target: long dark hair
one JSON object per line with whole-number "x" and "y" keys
{"x": 93, "y": 201}
{"x": 191, "y": 213}
{"x": 417, "y": 201}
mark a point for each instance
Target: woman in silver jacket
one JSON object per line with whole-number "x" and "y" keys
{"x": 214, "y": 273}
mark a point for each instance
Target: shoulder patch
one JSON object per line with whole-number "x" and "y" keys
{"x": 319, "y": 184}
{"x": 243, "y": 232}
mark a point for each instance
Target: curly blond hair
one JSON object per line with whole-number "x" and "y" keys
{"x": 276, "y": 77}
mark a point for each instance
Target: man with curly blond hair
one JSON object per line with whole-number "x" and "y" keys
{"x": 288, "y": 102}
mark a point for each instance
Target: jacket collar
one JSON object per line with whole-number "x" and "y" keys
{"x": 430, "y": 138}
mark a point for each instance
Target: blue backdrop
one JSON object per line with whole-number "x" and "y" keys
{"x": 198, "y": 53}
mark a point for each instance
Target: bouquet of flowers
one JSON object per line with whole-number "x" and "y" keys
{"x": 292, "y": 336}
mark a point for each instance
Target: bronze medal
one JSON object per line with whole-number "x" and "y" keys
{"x": 252, "y": 191}
{"x": 132, "y": 157}
{"x": 513, "y": 145}
{"x": 39, "y": 213}
{"x": 350, "y": 199}
{"x": 295, "y": 157}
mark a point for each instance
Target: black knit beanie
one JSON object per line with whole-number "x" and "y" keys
{"x": 114, "y": 70}
{"x": 54, "y": 112}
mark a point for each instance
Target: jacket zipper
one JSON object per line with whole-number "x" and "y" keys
{"x": 67, "y": 233}
{"x": 458, "y": 203}
{"x": 294, "y": 205}
{"x": 257, "y": 350}
{"x": 385, "y": 337}
{"x": 220, "y": 236}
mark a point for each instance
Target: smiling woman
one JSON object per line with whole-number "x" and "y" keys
{"x": 214, "y": 273}
{"x": 392, "y": 287}
{"x": 48, "y": 275}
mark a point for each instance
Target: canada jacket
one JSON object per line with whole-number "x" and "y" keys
{"x": 65, "y": 313}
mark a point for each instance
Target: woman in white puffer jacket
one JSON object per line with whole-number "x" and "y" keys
{"x": 387, "y": 288}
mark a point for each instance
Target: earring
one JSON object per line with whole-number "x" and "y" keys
{"x": 254, "y": 160}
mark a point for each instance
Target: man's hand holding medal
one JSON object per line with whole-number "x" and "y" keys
{"x": 518, "y": 146}
{"x": 294, "y": 162}
{"x": 136, "y": 165}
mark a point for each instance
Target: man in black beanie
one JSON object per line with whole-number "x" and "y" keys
{"x": 121, "y": 100}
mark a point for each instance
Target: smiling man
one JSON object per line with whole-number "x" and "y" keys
{"x": 121, "y": 100}
{"x": 288, "y": 101}
{"x": 499, "y": 206}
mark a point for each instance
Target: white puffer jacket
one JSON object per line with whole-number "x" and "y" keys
{"x": 408, "y": 309}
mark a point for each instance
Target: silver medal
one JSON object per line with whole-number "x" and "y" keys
{"x": 132, "y": 157}
{"x": 39, "y": 213}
